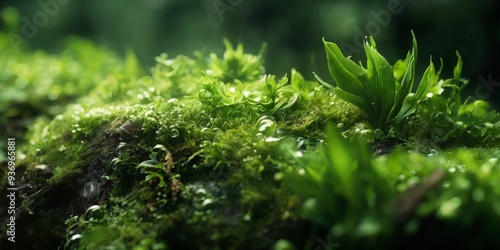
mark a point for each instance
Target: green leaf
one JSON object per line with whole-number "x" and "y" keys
{"x": 148, "y": 164}
{"x": 292, "y": 100}
{"x": 301, "y": 184}
{"x": 457, "y": 71}
{"x": 356, "y": 100}
{"x": 380, "y": 90}
{"x": 429, "y": 84}
{"x": 401, "y": 66}
{"x": 348, "y": 75}
{"x": 342, "y": 162}
{"x": 407, "y": 108}
{"x": 381, "y": 85}
{"x": 406, "y": 82}
{"x": 325, "y": 83}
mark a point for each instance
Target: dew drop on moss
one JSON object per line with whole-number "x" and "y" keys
{"x": 174, "y": 132}
{"x": 207, "y": 202}
{"x": 272, "y": 139}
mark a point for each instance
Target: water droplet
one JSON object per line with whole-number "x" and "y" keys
{"x": 74, "y": 237}
{"x": 432, "y": 152}
{"x": 300, "y": 142}
{"x": 267, "y": 126}
{"x": 114, "y": 163}
{"x": 206, "y": 202}
{"x": 93, "y": 208}
{"x": 272, "y": 139}
{"x": 104, "y": 178}
{"x": 174, "y": 132}
{"x": 201, "y": 191}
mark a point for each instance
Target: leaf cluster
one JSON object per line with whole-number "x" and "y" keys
{"x": 382, "y": 91}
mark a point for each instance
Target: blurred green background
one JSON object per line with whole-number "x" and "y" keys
{"x": 293, "y": 30}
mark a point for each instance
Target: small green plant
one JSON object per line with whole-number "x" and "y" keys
{"x": 158, "y": 166}
{"x": 382, "y": 91}
{"x": 459, "y": 122}
{"x": 342, "y": 188}
{"x": 236, "y": 64}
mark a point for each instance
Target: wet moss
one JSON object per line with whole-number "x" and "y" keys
{"x": 211, "y": 153}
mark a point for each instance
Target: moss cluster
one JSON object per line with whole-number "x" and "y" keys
{"x": 211, "y": 153}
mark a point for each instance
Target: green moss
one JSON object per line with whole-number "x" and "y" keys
{"x": 212, "y": 153}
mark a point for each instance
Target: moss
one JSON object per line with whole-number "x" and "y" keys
{"x": 212, "y": 149}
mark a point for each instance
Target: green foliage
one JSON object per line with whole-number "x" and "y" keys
{"x": 37, "y": 84}
{"x": 159, "y": 164}
{"x": 155, "y": 153}
{"x": 382, "y": 91}
{"x": 263, "y": 97}
{"x": 466, "y": 197}
{"x": 343, "y": 190}
{"x": 453, "y": 121}
{"x": 363, "y": 201}
{"x": 236, "y": 65}
{"x": 212, "y": 149}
